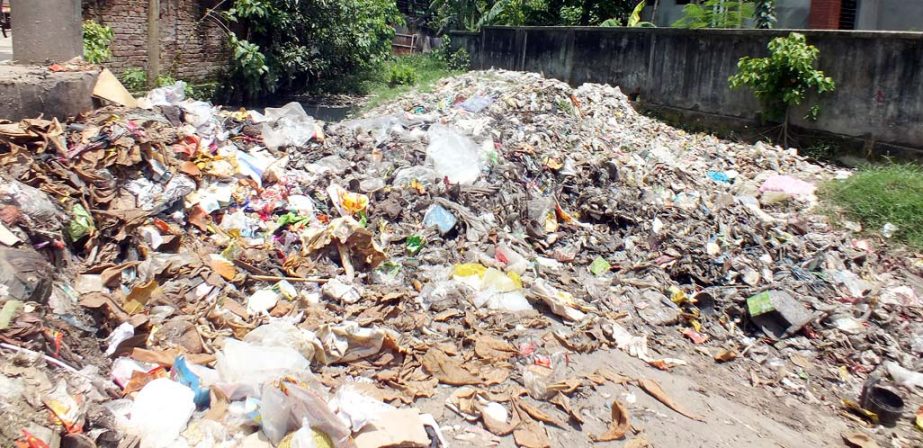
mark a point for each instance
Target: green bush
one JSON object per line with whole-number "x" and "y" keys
{"x": 135, "y": 79}
{"x": 879, "y": 195}
{"x": 459, "y": 60}
{"x": 96, "y": 41}
{"x": 292, "y": 45}
{"x": 402, "y": 75}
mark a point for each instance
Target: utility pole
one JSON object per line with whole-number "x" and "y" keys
{"x": 153, "y": 42}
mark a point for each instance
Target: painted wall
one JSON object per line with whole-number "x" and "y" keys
{"x": 903, "y": 15}
{"x": 879, "y": 75}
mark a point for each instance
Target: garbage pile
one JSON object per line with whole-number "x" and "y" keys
{"x": 177, "y": 274}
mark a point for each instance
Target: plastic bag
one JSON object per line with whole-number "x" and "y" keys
{"x": 424, "y": 175}
{"x": 453, "y": 155}
{"x": 241, "y": 362}
{"x": 288, "y": 125}
{"x": 284, "y": 334}
{"x": 167, "y": 95}
{"x": 161, "y": 411}
{"x": 31, "y": 201}
{"x": 438, "y": 216}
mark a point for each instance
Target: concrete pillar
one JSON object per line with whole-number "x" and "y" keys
{"x": 46, "y": 30}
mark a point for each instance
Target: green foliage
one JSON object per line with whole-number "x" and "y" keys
{"x": 165, "y": 80}
{"x": 459, "y": 60}
{"x": 878, "y": 195}
{"x": 473, "y": 14}
{"x": 611, "y": 22}
{"x": 96, "y": 41}
{"x": 203, "y": 92}
{"x": 402, "y": 75}
{"x": 715, "y": 14}
{"x": 785, "y": 78}
{"x": 571, "y": 15}
{"x": 764, "y": 15}
{"x": 287, "y": 45}
{"x": 134, "y": 79}
{"x": 429, "y": 68}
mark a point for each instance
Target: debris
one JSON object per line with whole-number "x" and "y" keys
{"x": 619, "y": 426}
{"x": 858, "y": 439}
{"x": 109, "y": 88}
{"x": 653, "y": 389}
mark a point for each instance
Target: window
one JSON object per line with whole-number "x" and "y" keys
{"x": 848, "y": 10}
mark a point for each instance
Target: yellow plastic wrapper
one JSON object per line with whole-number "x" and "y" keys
{"x": 468, "y": 270}
{"x": 321, "y": 440}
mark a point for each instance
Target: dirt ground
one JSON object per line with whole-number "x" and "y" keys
{"x": 735, "y": 414}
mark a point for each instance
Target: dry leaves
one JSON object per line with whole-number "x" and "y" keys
{"x": 491, "y": 348}
{"x": 653, "y": 389}
{"x": 858, "y": 439}
{"x": 531, "y": 435}
{"x": 619, "y": 426}
{"x": 446, "y": 369}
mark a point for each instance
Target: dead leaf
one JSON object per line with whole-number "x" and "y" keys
{"x": 222, "y": 266}
{"x": 218, "y": 406}
{"x": 563, "y": 402}
{"x": 447, "y": 370}
{"x": 726, "y": 355}
{"x": 611, "y": 375}
{"x": 653, "y": 389}
{"x": 139, "y": 296}
{"x": 190, "y": 168}
{"x": 166, "y": 357}
{"x": 537, "y": 413}
{"x": 567, "y": 386}
{"x": 531, "y": 435}
{"x": 111, "y": 276}
{"x": 619, "y": 426}
{"x": 198, "y": 217}
{"x": 491, "y": 348}
{"x": 494, "y": 375}
{"x": 859, "y": 440}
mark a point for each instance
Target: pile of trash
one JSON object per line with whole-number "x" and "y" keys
{"x": 176, "y": 274}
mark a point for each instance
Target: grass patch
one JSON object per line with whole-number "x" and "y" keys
{"x": 428, "y": 70}
{"x": 877, "y": 195}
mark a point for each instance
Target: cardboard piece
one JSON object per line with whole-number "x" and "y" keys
{"x": 109, "y": 88}
{"x": 397, "y": 428}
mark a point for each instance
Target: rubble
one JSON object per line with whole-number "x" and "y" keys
{"x": 225, "y": 278}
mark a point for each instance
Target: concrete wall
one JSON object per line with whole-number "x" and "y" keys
{"x": 27, "y": 92}
{"x": 879, "y": 76}
{"x": 46, "y": 30}
{"x": 191, "y": 49}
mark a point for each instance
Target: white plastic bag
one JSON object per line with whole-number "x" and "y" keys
{"x": 244, "y": 363}
{"x": 453, "y": 155}
{"x": 288, "y": 125}
{"x": 161, "y": 411}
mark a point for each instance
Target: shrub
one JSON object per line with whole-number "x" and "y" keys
{"x": 402, "y": 74}
{"x": 459, "y": 60}
{"x": 290, "y": 45}
{"x": 134, "y": 79}
{"x": 96, "y": 41}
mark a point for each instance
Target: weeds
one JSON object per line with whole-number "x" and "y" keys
{"x": 878, "y": 195}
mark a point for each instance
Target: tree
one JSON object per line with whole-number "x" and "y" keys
{"x": 764, "y": 14}
{"x": 715, "y": 14}
{"x": 288, "y": 45}
{"x": 784, "y": 79}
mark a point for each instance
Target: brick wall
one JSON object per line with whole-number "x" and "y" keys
{"x": 190, "y": 49}
{"x": 825, "y": 14}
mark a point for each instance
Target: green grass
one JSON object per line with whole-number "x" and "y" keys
{"x": 428, "y": 70}
{"x": 877, "y": 195}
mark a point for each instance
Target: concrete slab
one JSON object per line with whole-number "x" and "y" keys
{"x": 30, "y": 91}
